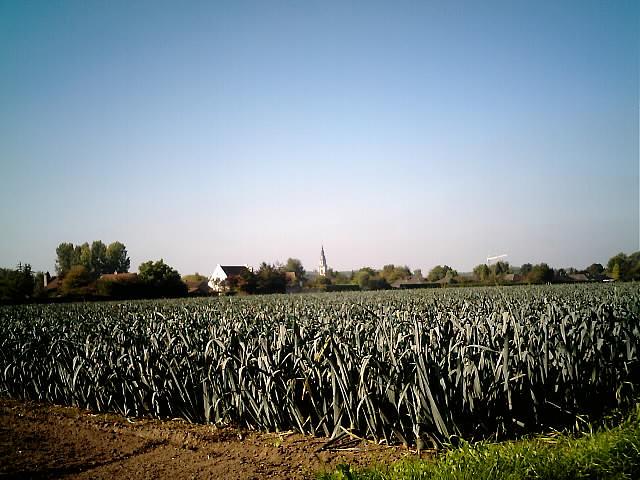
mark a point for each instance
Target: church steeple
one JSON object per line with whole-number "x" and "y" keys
{"x": 322, "y": 268}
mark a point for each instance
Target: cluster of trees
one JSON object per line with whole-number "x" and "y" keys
{"x": 369, "y": 279}
{"x": 270, "y": 278}
{"x": 82, "y": 270}
{"x": 366, "y": 278}
{"x": 153, "y": 280}
{"x": 18, "y": 285}
{"x": 440, "y": 272}
{"x": 96, "y": 258}
{"x": 392, "y": 273}
{"x": 193, "y": 277}
{"x": 619, "y": 267}
{"x": 488, "y": 274}
{"x": 80, "y": 266}
{"x": 267, "y": 278}
{"x": 158, "y": 279}
{"x": 78, "y": 281}
{"x": 624, "y": 267}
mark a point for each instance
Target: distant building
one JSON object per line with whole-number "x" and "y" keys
{"x": 322, "y": 268}
{"x": 198, "y": 287}
{"x": 51, "y": 284}
{"x": 294, "y": 283}
{"x": 292, "y": 278}
{"x": 222, "y": 273}
{"x": 578, "y": 277}
{"x": 512, "y": 277}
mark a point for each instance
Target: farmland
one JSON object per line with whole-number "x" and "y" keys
{"x": 417, "y": 367}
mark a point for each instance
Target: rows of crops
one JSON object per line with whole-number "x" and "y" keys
{"x": 394, "y": 365}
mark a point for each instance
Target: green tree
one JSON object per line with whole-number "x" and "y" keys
{"x": 622, "y": 262}
{"x": 499, "y": 268}
{"x": 247, "y": 282}
{"x": 340, "y": 278}
{"x": 363, "y": 278}
{"x": 295, "y": 265}
{"x": 116, "y": 258}
{"x": 594, "y": 270}
{"x": 270, "y": 279}
{"x": 25, "y": 280}
{"x": 65, "y": 257}
{"x": 615, "y": 271}
{"x": 76, "y": 281}
{"x": 439, "y": 272}
{"x": 540, "y": 273}
{"x": 320, "y": 282}
{"x": 121, "y": 286}
{"x": 161, "y": 280}
{"x": 195, "y": 277}
{"x": 85, "y": 257}
{"x": 525, "y": 269}
{"x": 625, "y": 267}
{"x": 99, "y": 257}
{"x": 38, "y": 285}
{"x": 368, "y": 279}
{"x": 77, "y": 253}
{"x": 17, "y": 285}
{"x": 392, "y": 273}
{"x": 482, "y": 272}
{"x": 634, "y": 267}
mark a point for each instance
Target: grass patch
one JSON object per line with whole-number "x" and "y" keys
{"x": 607, "y": 454}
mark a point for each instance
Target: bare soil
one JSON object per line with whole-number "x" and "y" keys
{"x": 44, "y": 441}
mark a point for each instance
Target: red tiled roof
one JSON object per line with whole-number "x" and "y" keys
{"x": 53, "y": 283}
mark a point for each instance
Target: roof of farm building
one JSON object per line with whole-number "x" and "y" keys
{"x": 232, "y": 270}
{"x": 578, "y": 277}
{"x": 53, "y": 283}
{"x": 512, "y": 277}
{"x": 195, "y": 286}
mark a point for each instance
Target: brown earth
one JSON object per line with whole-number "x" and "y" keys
{"x": 44, "y": 441}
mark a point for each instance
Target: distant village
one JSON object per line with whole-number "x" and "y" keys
{"x": 98, "y": 272}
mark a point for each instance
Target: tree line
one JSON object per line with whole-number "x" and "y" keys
{"x": 96, "y": 258}
{"x": 82, "y": 272}
{"x": 621, "y": 267}
{"x": 99, "y": 271}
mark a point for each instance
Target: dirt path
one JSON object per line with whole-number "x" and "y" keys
{"x": 40, "y": 441}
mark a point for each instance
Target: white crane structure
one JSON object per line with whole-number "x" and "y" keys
{"x": 496, "y": 257}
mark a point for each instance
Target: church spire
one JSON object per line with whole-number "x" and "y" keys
{"x": 322, "y": 268}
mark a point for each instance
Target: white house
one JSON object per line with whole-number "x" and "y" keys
{"x": 222, "y": 272}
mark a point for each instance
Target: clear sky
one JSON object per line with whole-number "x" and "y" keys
{"x": 398, "y": 132}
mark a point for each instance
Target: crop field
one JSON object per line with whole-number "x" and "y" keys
{"x": 410, "y": 366}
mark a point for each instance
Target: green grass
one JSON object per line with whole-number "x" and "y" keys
{"x": 607, "y": 454}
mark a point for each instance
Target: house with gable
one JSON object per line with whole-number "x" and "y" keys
{"x": 217, "y": 280}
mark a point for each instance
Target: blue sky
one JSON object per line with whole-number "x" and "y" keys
{"x": 412, "y": 133}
